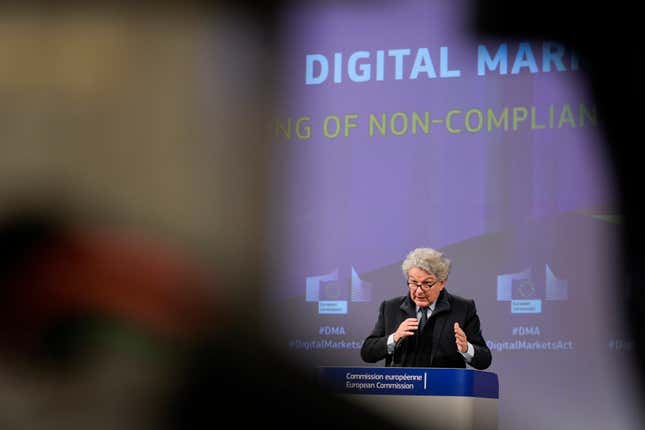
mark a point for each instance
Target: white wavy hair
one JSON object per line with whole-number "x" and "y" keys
{"x": 428, "y": 259}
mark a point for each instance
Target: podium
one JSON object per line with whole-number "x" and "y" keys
{"x": 428, "y": 398}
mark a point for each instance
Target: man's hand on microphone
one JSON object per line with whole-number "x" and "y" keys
{"x": 460, "y": 337}
{"x": 406, "y": 328}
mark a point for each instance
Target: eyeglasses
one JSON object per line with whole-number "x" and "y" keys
{"x": 425, "y": 285}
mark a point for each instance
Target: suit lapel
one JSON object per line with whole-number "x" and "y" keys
{"x": 408, "y": 308}
{"x": 440, "y": 314}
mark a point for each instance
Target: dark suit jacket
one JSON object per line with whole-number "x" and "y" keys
{"x": 448, "y": 310}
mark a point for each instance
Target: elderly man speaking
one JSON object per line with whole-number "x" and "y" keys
{"x": 428, "y": 327}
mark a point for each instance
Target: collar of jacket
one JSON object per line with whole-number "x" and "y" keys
{"x": 410, "y": 308}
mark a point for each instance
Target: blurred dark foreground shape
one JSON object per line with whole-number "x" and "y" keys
{"x": 151, "y": 116}
{"x": 106, "y": 329}
{"x": 606, "y": 39}
{"x": 93, "y": 323}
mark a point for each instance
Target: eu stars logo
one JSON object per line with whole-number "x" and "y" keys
{"x": 333, "y": 294}
{"x": 521, "y": 290}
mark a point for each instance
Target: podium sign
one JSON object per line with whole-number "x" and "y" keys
{"x": 455, "y": 399}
